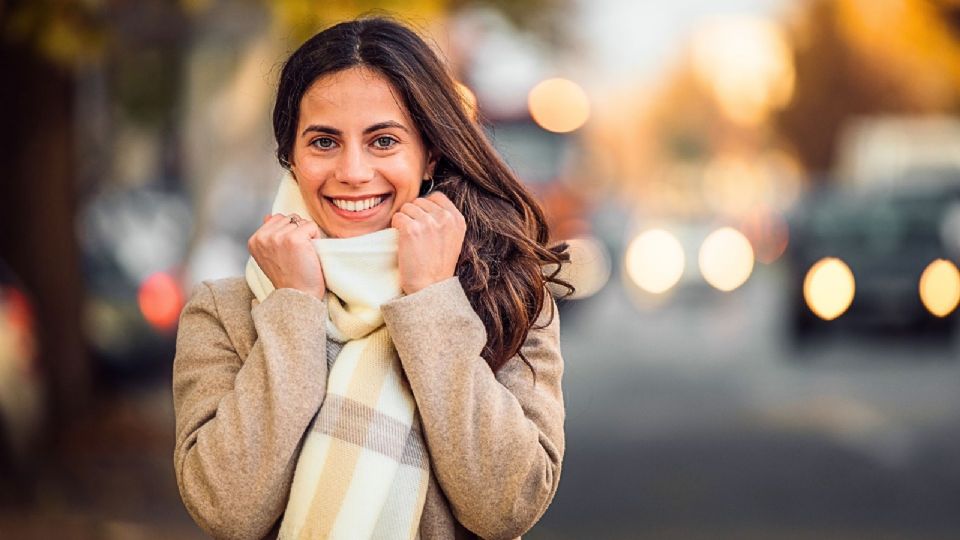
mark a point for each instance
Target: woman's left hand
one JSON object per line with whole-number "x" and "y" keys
{"x": 431, "y": 237}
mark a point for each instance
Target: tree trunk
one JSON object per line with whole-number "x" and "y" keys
{"x": 37, "y": 212}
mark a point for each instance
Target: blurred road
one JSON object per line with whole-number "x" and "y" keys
{"x": 690, "y": 421}
{"x": 698, "y": 421}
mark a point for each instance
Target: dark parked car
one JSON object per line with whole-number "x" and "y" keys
{"x": 887, "y": 235}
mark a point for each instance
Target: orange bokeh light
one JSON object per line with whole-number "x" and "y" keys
{"x": 829, "y": 288}
{"x": 559, "y": 105}
{"x": 160, "y": 300}
{"x": 940, "y": 287}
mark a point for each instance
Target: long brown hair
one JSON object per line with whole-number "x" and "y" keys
{"x": 505, "y": 251}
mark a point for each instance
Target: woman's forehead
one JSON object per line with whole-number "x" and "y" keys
{"x": 355, "y": 93}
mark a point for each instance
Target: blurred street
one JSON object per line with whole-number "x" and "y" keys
{"x": 692, "y": 421}
{"x": 716, "y": 429}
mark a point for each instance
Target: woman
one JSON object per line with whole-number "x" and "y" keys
{"x": 389, "y": 367}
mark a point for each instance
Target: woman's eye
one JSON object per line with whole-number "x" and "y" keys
{"x": 384, "y": 142}
{"x": 323, "y": 142}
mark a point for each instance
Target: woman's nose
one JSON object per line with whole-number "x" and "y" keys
{"x": 354, "y": 167}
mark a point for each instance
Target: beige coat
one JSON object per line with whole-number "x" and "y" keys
{"x": 248, "y": 378}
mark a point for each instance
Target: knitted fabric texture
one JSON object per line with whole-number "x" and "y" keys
{"x": 363, "y": 470}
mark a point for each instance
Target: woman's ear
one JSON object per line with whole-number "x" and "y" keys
{"x": 432, "y": 158}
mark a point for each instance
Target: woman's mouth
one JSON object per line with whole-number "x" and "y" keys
{"x": 357, "y": 208}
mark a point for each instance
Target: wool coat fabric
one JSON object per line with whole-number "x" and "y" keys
{"x": 249, "y": 377}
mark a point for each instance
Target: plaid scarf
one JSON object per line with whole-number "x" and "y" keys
{"x": 363, "y": 468}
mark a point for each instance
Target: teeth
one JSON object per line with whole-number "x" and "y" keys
{"x": 357, "y": 206}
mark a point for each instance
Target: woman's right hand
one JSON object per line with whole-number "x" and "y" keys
{"x": 282, "y": 247}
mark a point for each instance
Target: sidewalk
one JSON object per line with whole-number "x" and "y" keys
{"x": 110, "y": 476}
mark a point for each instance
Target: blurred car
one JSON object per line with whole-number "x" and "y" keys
{"x": 887, "y": 236}
{"x": 133, "y": 247}
{"x": 21, "y": 392}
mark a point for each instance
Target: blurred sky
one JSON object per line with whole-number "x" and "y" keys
{"x": 612, "y": 45}
{"x": 636, "y": 40}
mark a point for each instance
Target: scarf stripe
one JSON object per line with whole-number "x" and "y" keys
{"x": 371, "y": 369}
{"x": 335, "y": 481}
{"x": 367, "y": 490}
{"x": 307, "y": 474}
{"x": 373, "y": 430}
{"x": 394, "y": 520}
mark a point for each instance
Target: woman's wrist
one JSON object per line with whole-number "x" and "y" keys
{"x": 318, "y": 293}
{"x": 420, "y": 284}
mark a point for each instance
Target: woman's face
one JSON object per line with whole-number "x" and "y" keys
{"x": 357, "y": 155}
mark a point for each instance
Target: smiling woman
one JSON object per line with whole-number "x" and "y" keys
{"x": 357, "y": 158}
{"x": 389, "y": 367}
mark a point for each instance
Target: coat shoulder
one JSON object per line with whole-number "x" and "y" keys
{"x": 231, "y": 296}
{"x": 229, "y": 300}
{"x": 230, "y": 288}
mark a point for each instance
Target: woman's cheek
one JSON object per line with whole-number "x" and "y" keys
{"x": 406, "y": 178}
{"x": 311, "y": 171}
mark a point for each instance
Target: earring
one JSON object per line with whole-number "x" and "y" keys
{"x": 428, "y": 190}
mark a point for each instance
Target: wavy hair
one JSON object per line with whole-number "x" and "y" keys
{"x": 506, "y": 262}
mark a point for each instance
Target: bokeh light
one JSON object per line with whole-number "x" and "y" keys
{"x": 160, "y": 300}
{"x": 747, "y": 64}
{"x": 18, "y": 346}
{"x": 726, "y": 259}
{"x": 829, "y": 288}
{"x": 940, "y": 287}
{"x": 655, "y": 261}
{"x": 559, "y": 105}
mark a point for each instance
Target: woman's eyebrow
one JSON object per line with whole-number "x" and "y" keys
{"x": 370, "y": 129}
{"x": 384, "y": 125}
{"x": 321, "y": 129}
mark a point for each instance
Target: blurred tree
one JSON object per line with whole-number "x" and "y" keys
{"x": 48, "y": 48}
{"x": 950, "y": 13}
{"x": 304, "y": 17}
{"x": 39, "y": 44}
{"x": 859, "y": 57}
{"x": 63, "y": 32}
{"x": 545, "y": 18}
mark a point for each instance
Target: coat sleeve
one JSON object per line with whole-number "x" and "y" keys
{"x": 240, "y": 421}
{"x": 496, "y": 442}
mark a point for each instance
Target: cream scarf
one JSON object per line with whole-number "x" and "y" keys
{"x": 363, "y": 469}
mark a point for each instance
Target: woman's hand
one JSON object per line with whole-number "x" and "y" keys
{"x": 431, "y": 237}
{"x": 283, "y": 249}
